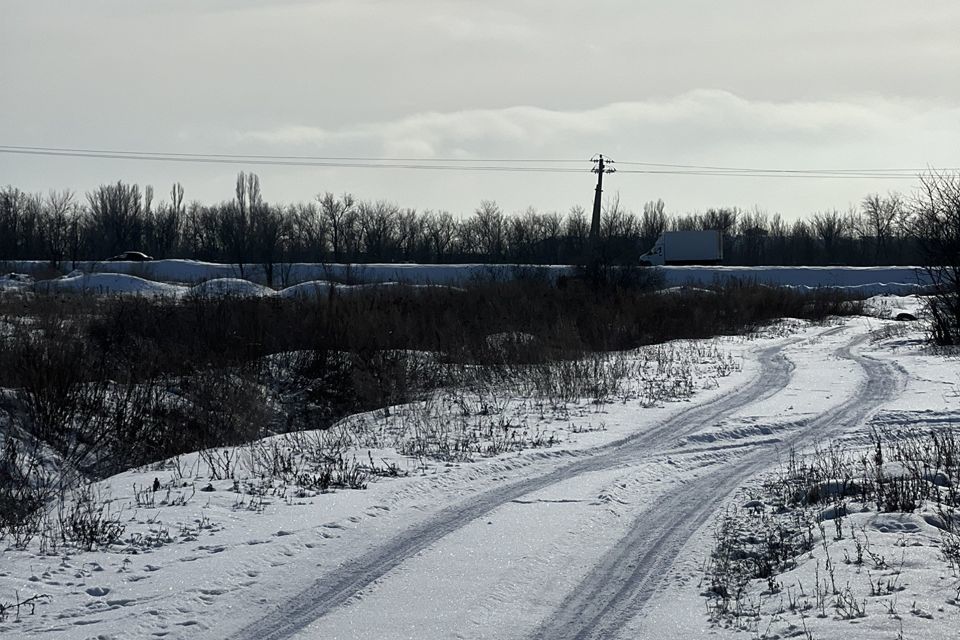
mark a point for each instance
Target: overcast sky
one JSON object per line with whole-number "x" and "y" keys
{"x": 755, "y": 83}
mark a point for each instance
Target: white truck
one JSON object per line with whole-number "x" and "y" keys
{"x": 686, "y": 247}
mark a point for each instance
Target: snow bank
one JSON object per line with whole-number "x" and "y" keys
{"x": 195, "y": 272}
{"x": 894, "y": 307}
{"x": 233, "y": 287}
{"x": 873, "y": 280}
{"x": 868, "y": 280}
{"x": 124, "y": 284}
{"x": 312, "y": 290}
{"x": 108, "y": 283}
{"x": 15, "y": 282}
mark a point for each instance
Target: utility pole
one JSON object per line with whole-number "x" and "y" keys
{"x": 601, "y": 166}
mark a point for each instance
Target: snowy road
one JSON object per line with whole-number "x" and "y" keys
{"x": 602, "y": 535}
{"x": 619, "y": 586}
{"x": 615, "y": 588}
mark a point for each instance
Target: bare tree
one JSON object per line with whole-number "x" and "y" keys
{"x": 653, "y": 222}
{"x": 880, "y": 216}
{"x": 410, "y": 234}
{"x": 21, "y": 224}
{"x": 803, "y": 243}
{"x": 829, "y": 227}
{"x": 577, "y": 231}
{"x": 723, "y": 219}
{"x": 753, "y": 232}
{"x": 116, "y": 217}
{"x": 201, "y": 231}
{"x": 148, "y": 200}
{"x": 339, "y": 216}
{"x": 309, "y": 231}
{"x": 12, "y": 205}
{"x": 524, "y": 236}
{"x": 441, "y": 232}
{"x": 270, "y": 239}
{"x": 490, "y": 227}
{"x": 378, "y": 223}
{"x": 552, "y": 225}
{"x": 612, "y": 217}
{"x": 777, "y": 240}
{"x": 935, "y": 223}
{"x": 688, "y": 222}
{"x": 61, "y": 216}
{"x": 165, "y": 224}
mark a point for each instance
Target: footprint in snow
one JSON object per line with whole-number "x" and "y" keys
{"x": 121, "y": 602}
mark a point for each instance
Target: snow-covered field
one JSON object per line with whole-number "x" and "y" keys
{"x": 181, "y": 274}
{"x": 600, "y": 531}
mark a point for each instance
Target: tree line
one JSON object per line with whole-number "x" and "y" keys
{"x": 63, "y": 227}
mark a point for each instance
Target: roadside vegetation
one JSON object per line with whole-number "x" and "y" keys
{"x": 832, "y": 502}
{"x": 92, "y": 386}
{"x": 863, "y": 529}
{"x": 936, "y": 225}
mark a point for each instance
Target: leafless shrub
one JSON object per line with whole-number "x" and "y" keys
{"x": 900, "y": 472}
{"x": 112, "y": 383}
{"x": 86, "y": 519}
{"x": 221, "y": 463}
{"x": 934, "y": 222}
{"x": 15, "y": 607}
{"x": 314, "y": 461}
{"x": 25, "y": 486}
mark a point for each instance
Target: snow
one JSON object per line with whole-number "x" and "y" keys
{"x": 108, "y": 283}
{"x": 205, "y": 564}
{"x": 16, "y": 282}
{"x": 79, "y": 282}
{"x": 871, "y": 280}
{"x": 891, "y": 306}
{"x": 233, "y": 287}
{"x": 311, "y": 289}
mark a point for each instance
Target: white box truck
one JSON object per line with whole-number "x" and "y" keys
{"x": 686, "y": 247}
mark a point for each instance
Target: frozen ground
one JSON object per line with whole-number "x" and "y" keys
{"x": 869, "y": 280}
{"x": 602, "y": 535}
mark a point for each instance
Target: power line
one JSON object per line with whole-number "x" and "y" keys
{"x": 461, "y": 164}
{"x": 112, "y": 152}
{"x": 759, "y": 170}
{"x": 246, "y": 160}
{"x": 765, "y": 174}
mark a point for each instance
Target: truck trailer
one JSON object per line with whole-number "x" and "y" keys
{"x": 686, "y": 247}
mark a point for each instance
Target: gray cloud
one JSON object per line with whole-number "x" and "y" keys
{"x": 746, "y": 82}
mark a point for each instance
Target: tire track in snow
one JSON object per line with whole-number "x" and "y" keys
{"x": 630, "y": 573}
{"x": 344, "y": 582}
